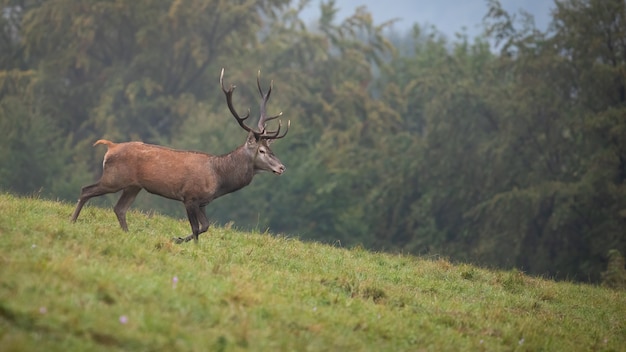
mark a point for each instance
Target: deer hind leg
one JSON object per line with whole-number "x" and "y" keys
{"x": 128, "y": 196}
{"x": 87, "y": 193}
{"x": 198, "y": 221}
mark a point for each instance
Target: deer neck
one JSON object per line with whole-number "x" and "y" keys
{"x": 236, "y": 170}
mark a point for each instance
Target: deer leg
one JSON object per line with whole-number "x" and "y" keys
{"x": 128, "y": 196}
{"x": 193, "y": 214}
{"x": 203, "y": 223}
{"x": 87, "y": 193}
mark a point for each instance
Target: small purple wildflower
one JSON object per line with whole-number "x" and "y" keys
{"x": 123, "y": 319}
{"x": 43, "y": 310}
{"x": 174, "y": 281}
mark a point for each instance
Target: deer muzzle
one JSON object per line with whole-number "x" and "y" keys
{"x": 279, "y": 169}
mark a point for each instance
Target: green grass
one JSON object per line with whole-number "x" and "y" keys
{"x": 89, "y": 286}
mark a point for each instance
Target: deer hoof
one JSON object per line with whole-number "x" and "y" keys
{"x": 178, "y": 240}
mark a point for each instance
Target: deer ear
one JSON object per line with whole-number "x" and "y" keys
{"x": 251, "y": 138}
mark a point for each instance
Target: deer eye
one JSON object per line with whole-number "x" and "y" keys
{"x": 262, "y": 151}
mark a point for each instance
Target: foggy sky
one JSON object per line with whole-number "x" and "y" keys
{"x": 448, "y": 16}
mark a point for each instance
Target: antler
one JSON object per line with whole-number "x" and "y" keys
{"x": 229, "y": 101}
{"x": 263, "y": 118}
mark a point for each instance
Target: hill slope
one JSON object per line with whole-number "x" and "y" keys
{"x": 90, "y": 286}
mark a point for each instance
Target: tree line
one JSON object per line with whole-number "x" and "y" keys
{"x": 411, "y": 142}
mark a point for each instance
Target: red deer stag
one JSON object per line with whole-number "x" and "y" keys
{"x": 193, "y": 178}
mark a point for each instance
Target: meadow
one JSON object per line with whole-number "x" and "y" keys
{"x": 89, "y": 286}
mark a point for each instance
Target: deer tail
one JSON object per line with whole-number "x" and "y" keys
{"x": 104, "y": 141}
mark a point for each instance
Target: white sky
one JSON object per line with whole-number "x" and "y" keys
{"x": 448, "y": 16}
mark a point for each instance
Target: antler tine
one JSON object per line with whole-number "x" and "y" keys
{"x": 229, "y": 101}
{"x": 274, "y": 134}
{"x": 258, "y": 84}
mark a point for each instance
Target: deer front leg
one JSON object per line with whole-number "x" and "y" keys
{"x": 198, "y": 221}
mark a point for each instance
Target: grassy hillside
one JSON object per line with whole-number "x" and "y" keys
{"x": 89, "y": 286}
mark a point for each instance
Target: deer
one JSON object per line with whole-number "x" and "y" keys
{"x": 191, "y": 177}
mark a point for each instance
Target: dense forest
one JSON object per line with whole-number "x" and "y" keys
{"x": 506, "y": 150}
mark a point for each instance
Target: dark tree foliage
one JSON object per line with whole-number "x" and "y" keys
{"x": 508, "y": 157}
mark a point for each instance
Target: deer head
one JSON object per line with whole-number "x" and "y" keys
{"x": 259, "y": 140}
